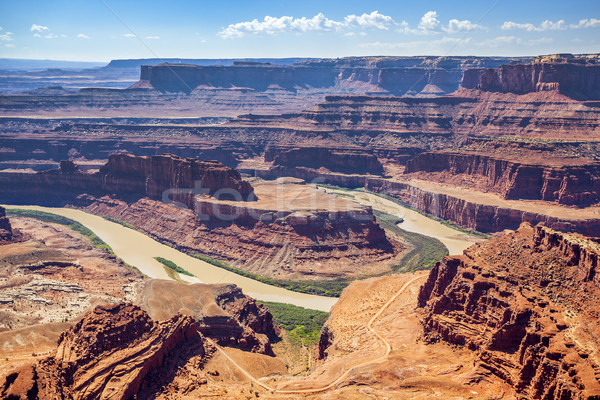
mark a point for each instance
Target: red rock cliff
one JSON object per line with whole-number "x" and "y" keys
{"x": 574, "y": 184}
{"x": 128, "y": 176}
{"x": 575, "y": 77}
{"x": 111, "y": 353}
{"x": 527, "y": 304}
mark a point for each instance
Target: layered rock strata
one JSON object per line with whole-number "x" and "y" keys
{"x": 128, "y": 176}
{"x": 526, "y": 304}
{"x": 577, "y": 77}
{"x": 576, "y": 182}
{"x": 474, "y": 213}
{"x": 114, "y": 352}
{"x": 348, "y": 159}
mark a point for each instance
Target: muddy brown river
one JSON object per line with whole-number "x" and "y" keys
{"x": 139, "y": 250}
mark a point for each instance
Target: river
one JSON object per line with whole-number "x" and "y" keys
{"x": 455, "y": 240}
{"x": 139, "y": 250}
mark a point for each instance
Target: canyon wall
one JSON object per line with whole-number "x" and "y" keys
{"x": 575, "y": 77}
{"x": 110, "y": 338}
{"x": 526, "y": 303}
{"x": 428, "y": 76}
{"x": 576, "y": 183}
{"x": 127, "y": 176}
{"x": 392, "y": 121}
{"x": 471, "y": 214}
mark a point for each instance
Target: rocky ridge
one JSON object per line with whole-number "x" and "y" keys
{"x": 526, "y": 304}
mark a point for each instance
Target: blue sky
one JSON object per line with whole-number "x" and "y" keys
{"x": 101, "y": 30}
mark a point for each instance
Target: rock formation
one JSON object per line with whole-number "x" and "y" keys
{"x": 344, "y": 159}
{"x": 575, "y": 182}
{"x": 114, "y": 352}
{"x": 526, "y": 303}
{"x": 6, "y": 231}
{"x": 473, "y": 212}
{"x": 575, "y": 76}
{"x": 131, "y": 177}
{"x": 466, "y": 112}
{"x": 391, "y": 75}
{"x": 223, "y": 313}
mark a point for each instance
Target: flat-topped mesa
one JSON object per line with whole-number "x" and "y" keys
{"x": 566, "y": 181}
{"x": 166, "y": 177}
{"x": 576, "y": 77}
{"x": 527, "y": 304}
{"x": 425, "y": 76}
{"x": 345, "y": 159}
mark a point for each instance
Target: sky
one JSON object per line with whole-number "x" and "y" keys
{"x": 101, "y": 30}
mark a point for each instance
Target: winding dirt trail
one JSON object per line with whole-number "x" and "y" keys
{"x": 388, "y": 349}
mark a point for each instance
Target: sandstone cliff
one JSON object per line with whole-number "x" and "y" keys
{"x": 114, "y": 352}
{"x": 548, "y": 115}
{"x": 389, "y": 75}
{"x": 576, "y": 77}
{"x": 568, "y": 181}
{"x": 475, "y": 213}
{"x": 526, "y": 303}
{"x": 167, "y": 176}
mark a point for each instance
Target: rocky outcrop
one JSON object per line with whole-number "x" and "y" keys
{"x": 128, "y": 176}
{"x": 223, "y": 313}
{"x": 526, "y": 303}
{"x": 576, "y": 77}
{"x": 6, "y": 232}
{"x": 475, "y": 215}
{"x": 114, "y": 352}
{"x": 576, "y": 182}
{"x": 348, "y": 160}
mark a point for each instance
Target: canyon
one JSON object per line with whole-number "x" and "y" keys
{"x": 277, "y": 229}
{"x": 503, "y": 146}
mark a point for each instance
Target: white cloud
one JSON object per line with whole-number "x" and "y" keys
{"x": 37, "y": 35}
{"x": 129, "y": 35}
{"x": 429, "y": 22}
{"x": 350, "y": 34}
{"x": 547, "y": 25}
{"x": 9, "y": 45}
{"x": 152, "y": 37}
{"x": 586, "y": 23}
{"x": 455, "y": 25}
{"x": 273, "y": 25}
{"x": 374, "y": 20}
{"x": 83, "y": 36}
{"x": 39, "y": 28}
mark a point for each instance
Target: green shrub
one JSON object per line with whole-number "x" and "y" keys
{"x": 170, "y": 264}
{"x": 303, "y": 324}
